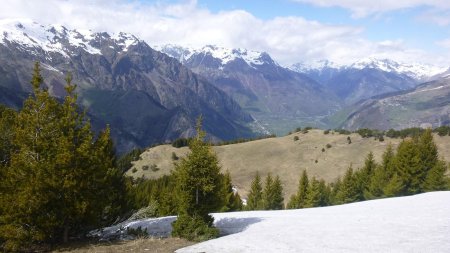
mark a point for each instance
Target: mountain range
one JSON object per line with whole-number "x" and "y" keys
{"x": 145, "y": 96}
{"x": 154, "y": 94}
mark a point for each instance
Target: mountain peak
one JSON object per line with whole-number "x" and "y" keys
{"x": 56, "y": 38}
{"x": 223, "y": 54}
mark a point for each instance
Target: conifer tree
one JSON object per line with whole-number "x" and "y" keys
{"x": 365, "y": 175}
{"x": 428, "y": 156}
{"x": 394, "y": 187}
{"x": 254, "y": 201}
{"x": 198, "y": 186}
{"x": 313, "y": 196}
{"x": 273, "y": 193}
{"x": 409, "y": 167}
{"x": 325, "y": 192}
{"x": 60, "y": 177}
{"x": 299, "y": 199}
{"x": 436, "y": 179}
{"x": 232, "y": 201}
{"x": 348, "y": 190}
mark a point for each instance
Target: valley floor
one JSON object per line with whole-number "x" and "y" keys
{"x": 419, "y": 223}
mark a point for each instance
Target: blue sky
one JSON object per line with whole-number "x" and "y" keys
{"x": 291, "y": 31}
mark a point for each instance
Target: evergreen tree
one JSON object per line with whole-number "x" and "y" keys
{"x": 348, "y": 190}
{"x": 299, "y": 199}
{"x": 198, "y": 183}
{"x": 436, "y": 179}
{"x": 365, "y": 175}
{"x": 313, "y": 196}
{"x": 428, "y": 156}
{"x": 273, "y": 194}
{"x": 254, "y": 201}
{"x": 334, "y": 193}
{"x": 394, "y": 187}
{"x": 409, "y": 167}
{"x": 59, "y": 178}
{"x": 232, "y": 201}
{"x": 325, "y": 192}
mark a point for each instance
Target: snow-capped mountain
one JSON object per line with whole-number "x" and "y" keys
{"x": 416, "y": 71}
{"x": 144, "y": 95}
{"x": 279, "y": 98}
{"x": 367, "y": 77}
{"x": 32, "y": 36}
{"x": 221, "y": 54}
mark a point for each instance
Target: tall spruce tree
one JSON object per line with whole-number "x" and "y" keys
{"x": 254, "y": 200}
{"x": 57, "y": 184}
{"x": 231, "y": 200}
{"x": 314, "y": 194}
{"x": 365, "y": 175}
{"x": 409, "y": 167}
{"x": 273, "y": 193}
{"x": 436, "y": 179}
{"x": 299, "y": 199}
{"x": 348, "y": 189}
{"x": 198, "y": 186}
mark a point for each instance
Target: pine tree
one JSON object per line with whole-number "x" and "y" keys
{"x": 254, "y": 201}
{"x": 268, "y": 193}
{"x": 409, "y": 168}
{"x": 299, "y": 199}
{"x": 313, "y": 196}
{"x": 394, "y": 187}
{"x": 273, "y": 193}
{"x": 436, "y": 179}
{"x": 230, "y": 198}
{"x": 428, "y": 156}
{"x": 325, "y": 192}
{"x": 57, "y": 184}
{"x": 198, "y": 186}
{"x": 348, "y": 190}
{"x": 365, "y": 175}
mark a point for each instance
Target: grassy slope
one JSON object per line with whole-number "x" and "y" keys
{"x": 284, "y": 157}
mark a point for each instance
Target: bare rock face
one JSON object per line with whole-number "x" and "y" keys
{"x": 144, "y": 95}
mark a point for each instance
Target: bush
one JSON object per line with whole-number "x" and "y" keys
{"x": 154, "y": 167}
{"x": 326, "y": 131}
{"x": 174, "y": 156}
{"x": 149, "y": 211}
{"x": 323, "y": 150}
{"x": 137, "y": 232}
{"x": 145, "y": 167}
{"x": 296, "y": 138}
{"x": 349, "y": 140}
{"x": 181, "y": 142}
{"x": 134, "y": 170}
{"x": 328, "y": 145}
{"x": 194, "y": 228}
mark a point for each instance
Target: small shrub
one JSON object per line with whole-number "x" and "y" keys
{"x": 381, "y": 138}
{"x": 154, "y": 167}
{"x": 323, "y": 150}
{"x": 349, "y": 140}
{"x": 145, "y": 167}
{"x": 134, "y": 170}
{"x": 174, "y": 156}
{"x": 137, "y": 232}
{"x": 316, "y": 161}
{"x": 328, "y": 145}
{"x": 149, "y": 211}
{"x": 194, "y": 228}
{"x": 326, "y": 131}
{"x": 296, "y": 138}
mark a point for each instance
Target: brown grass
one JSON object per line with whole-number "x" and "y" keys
{"x": 150, "y": 245}
{"x": 284, "y": 157}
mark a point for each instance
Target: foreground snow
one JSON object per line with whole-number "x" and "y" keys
{"x": 418, "y": 223}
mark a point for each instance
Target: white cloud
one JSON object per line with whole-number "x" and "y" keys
{"x": 286, "y": 39}
{"x": 363, "y": 8}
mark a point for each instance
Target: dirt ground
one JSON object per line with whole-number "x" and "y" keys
{"x": 150, "y": 245}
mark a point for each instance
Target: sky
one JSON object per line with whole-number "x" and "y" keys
{"x": 291, "y": 31}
